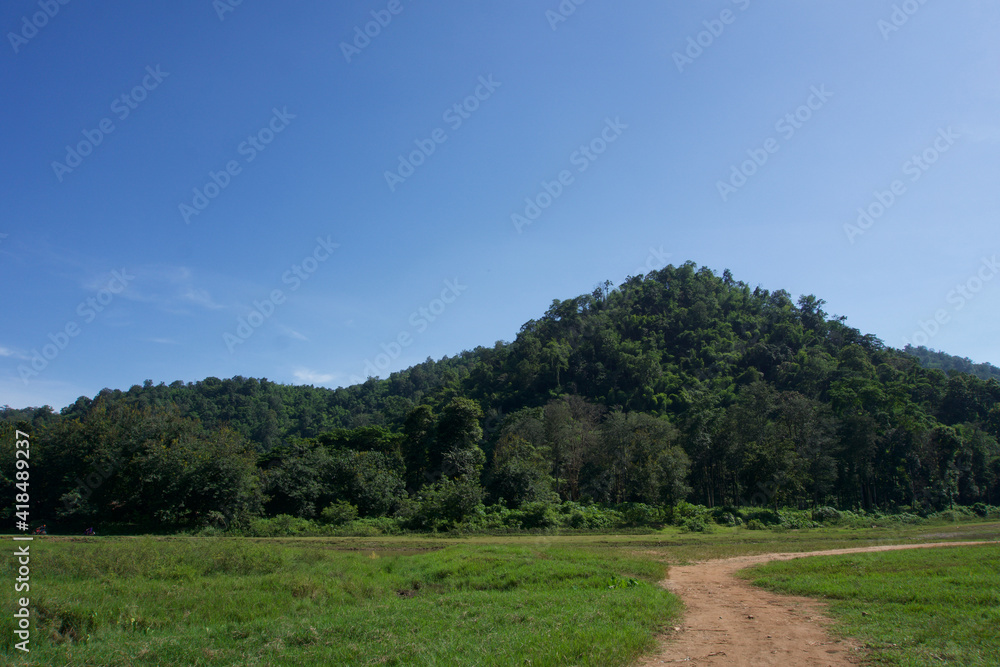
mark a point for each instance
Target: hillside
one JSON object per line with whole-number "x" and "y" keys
{"x": 676, "y": 385}
{"x": 951, "y": 364}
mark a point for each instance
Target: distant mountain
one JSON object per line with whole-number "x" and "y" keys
{"x": 949, "y": 363}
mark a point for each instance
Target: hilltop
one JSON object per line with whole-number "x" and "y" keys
{"x": 677, "y": 385}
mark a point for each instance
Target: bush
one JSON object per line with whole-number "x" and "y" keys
{"x": 755, "y": 524}
{"x": 695, "y": 524}
{"x": 537, "y": 515}
{"x": 826, "y": 514}
{"x": 640, "y": 514}
{"x": 589, "y": 517}
{"x": 339, "y": 513}
{"x": 447, "y": 503}
{"x": 283, "y": 525}
{"x": 728, "y": 519}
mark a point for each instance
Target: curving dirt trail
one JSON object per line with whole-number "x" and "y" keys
{"x": 730, "y": 622}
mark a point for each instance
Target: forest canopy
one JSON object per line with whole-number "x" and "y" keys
{"x": 679, "y": 385}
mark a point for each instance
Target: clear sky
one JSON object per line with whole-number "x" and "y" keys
{"x": 201, "y": 188}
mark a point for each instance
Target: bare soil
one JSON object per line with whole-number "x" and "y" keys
{"x": 730, "y": 622}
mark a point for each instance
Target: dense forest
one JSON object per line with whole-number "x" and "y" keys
{"x": 680, "y": 385}
{"x": 950, "y": 363}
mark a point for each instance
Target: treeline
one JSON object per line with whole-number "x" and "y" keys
{"x": 676, "y": 386}
{"x": 951, "y": 364}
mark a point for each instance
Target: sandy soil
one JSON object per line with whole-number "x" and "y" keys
{"x": 730, "y": 622}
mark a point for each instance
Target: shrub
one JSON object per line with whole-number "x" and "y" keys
{"x": 537, "y": 515}
{"x": 339, "y": 513}
{"x": 826, "y": 514}
{"x": 755, "y": 524}
{"x": 695, "y": 524}
{"x": 283, "y": 525}
{"x": 589, "y": 517}
{"x": 446, "y": 503}
{"x": 640, "y": 514}
{"x": 728, "y": 519}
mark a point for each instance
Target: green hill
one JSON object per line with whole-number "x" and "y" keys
{"x": 952, "y": 364}
{"x": 676, "y": 385}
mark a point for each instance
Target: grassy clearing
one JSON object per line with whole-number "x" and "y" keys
{"x": 919, "y": 607}
{"x": 422, "y": 600}
{"x": 150, "y": 601}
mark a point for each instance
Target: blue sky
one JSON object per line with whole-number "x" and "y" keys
{"x": 200, "y": 189}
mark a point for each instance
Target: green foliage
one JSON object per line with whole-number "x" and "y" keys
{"x": 446, "y": 504}
{"x": 694, "y": 524}
{"x": 339, "y": 513}
{"x": 678, "y": 385}
{"x": 952, "y": 364}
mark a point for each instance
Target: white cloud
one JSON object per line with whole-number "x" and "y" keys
{"x": 292, "y": 333}
{"x": 7, "y": 352}
{"x": 172, "y": 288}
{"x": 307, "y": 376}
{"x": 202, "y": 298}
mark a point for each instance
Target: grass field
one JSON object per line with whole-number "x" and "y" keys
{"x": 918, "y": 607}
{"x": 235, "y": 602}
{"x": 407, "y": 600}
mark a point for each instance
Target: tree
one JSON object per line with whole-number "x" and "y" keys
{"x": 456, "y": 452}
{"x": 418, "y": 436}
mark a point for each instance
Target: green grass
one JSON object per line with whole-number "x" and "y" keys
{"x": 423, "y": 600}
{"x": 227, "y": 602}
{"x": 917, "y": 607}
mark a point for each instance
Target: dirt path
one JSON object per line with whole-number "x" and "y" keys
{"x": 730, "y": 622}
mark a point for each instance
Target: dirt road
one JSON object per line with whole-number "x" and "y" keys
{"x": 730, "y": 622}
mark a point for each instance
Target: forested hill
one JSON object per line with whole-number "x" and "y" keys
{"x": 677, "y": 384}
{"x": 951, "y": 364}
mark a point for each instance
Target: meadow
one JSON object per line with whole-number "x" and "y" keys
{"x": 543, "y": 599}
{"x": 153, "y": 601}
{"x": 916, "y": 607}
